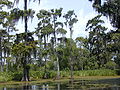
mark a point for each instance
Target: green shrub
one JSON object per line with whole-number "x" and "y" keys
{"x": 36, "y": 74}
{"x": 40, "y": 74}
{"x": 5, "y": 76}
{"x": 17, "y": 76}
{"x": 111, "y": 65}
{"x": 52, "y": 74}
{"x": 3, "y": 79}
{"x": 8, "y": 76}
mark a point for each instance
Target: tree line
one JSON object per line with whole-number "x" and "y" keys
{"x": 52, "y": 50}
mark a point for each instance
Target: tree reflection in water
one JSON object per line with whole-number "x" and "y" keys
{"x": 26, "y": 87}
{"x": 103, "y": 84}
{"x": 45, "y": 87}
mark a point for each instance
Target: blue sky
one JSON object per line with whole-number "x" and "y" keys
{"x": 82, "y": 8}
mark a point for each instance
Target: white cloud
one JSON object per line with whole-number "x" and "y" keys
{"x": 79, "y": 28}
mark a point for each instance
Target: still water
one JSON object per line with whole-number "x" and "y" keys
{"x": 104, "y": 84}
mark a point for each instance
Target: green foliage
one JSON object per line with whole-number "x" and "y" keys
{"x": 35, "y": 75}
{"x": 5, "y": 76}
{"x": 86, "y": 54}
{"x": 17, "y": 76}
{"x": 4, "y": 3}
{"x": 97, "y": 40}
{"x": 40, "y": 74}
{"x": 65, "y": 73}
{"x": 102, "y": 72}
{"x": 111, "y": 65}
{"x": 16, "y": 14}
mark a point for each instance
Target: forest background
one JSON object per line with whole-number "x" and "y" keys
{"x": 45, "y": 50}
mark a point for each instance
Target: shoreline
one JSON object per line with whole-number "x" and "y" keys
{"x": 60, "y": 80}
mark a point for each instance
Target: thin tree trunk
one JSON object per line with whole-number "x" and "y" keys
{"x": 58, "y": 67}
{"x": 71, "y": 60}
{"x": 1, "y": 62}
{"x": 8, "y": 52}
{"x": 40, "y": 54}
{"x": 71, "y": 67}
{"x": 45, "y": 72}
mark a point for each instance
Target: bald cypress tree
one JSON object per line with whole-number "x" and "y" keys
{"x": 24, "y": 14}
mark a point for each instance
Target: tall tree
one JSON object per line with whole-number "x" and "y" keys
{"x": 43, "y": 31}
{"x": 71, "y": 19}
{"x": 110, "y": 9}
{"x": 2, "y": 34}
{"x": 83, "y": 53}
{"x": 97, "y": 39}
{"x": 55, "y": 14}
{"x": 25, "y": 16}
{"x": 4, "y": 16}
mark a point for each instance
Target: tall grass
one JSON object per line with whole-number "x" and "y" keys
{"x": 66, "y": 73}
{"x": 102, "y": 72}
{"x": 35, "y": 75}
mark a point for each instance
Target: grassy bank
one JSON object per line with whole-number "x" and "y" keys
{"x": 65, "y": 79}
{"x": 37, "y": 75}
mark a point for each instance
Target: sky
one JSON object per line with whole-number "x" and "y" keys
{"x": 82, "y": 8}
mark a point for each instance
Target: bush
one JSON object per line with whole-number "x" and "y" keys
{"x": 36, "y": 74}
{"x": 8, "y": 76}
{"x": 111, "y": 65}
{"x": 3, "y": 79}
{"x": 65, "y": 73}
{"x": 17, "y": 76}
{"x": 52, "y": 74}
{"x": 40, "y": 74}
{"x": 5, "y": 76}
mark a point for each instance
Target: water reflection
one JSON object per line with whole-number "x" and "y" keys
{"x": 106, "y": 84}
{"x": 45, "y": 87}
{"x": 58, "y": 86}
{"x": 26, "y": 87}
{"x": 4, "y": 88}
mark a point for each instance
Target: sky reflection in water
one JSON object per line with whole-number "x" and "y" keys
{"x": 105, "y": 84}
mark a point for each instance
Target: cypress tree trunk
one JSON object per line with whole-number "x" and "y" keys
{"x": 45, "y": 72}
{"x": 58, "y": 66}
{"x": 25, "y": 71}
{"x": 71, "y": 58}
{"x": 1, "y": 63}
{"x": 25, "y": 66}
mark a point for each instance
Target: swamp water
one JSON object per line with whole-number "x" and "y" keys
{"x": 103, "y": 84}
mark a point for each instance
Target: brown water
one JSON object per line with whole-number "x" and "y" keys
{"x": 104, "y": 84}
